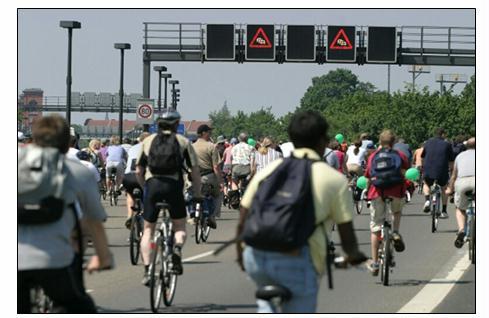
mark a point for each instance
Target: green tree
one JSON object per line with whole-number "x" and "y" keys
{"x": 221, "y": 121}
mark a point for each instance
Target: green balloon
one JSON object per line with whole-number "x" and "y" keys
{"x": 412, "y": 174}
{"x": 362, "y": 183}
{"x": 251, "y": 142}
{"x": 339, "y": 138}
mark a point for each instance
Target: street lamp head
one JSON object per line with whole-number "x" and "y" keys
{"x": 165, "y": 75}
{"x": 70, "y": 24}
{"x": 122, "y": 46}
{"x": 159, "y": 68}
{"x": 173, "y": 82}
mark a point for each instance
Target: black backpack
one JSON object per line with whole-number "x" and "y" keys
{"x": 164, "y": 155}
{"x": 385, "y": 170}
{"x": 282, "y": 215}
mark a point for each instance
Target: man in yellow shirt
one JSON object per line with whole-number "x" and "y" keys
{"x": 299, "y": 270}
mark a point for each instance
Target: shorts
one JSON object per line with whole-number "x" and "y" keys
{"x": 130, "y": 183}
{"x": 158, "y": 189}
{"x": 119, "y": 166}
{"x": 441, "y": 181}
{"x": 378, "y": 211}
{"x": 354, "y": 168}
{"x": 241, "y": 171}
{"x": 463, "y": 185}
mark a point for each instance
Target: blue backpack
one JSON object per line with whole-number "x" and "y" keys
{"x": 385, "y": 170}
{"x": 282, "y": 216}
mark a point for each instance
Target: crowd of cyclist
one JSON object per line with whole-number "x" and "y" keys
{"x": 229, "y": 165}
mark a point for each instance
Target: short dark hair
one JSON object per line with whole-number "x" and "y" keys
{"x": 439, "y": 132}
{"x": 307, "y": 128}
{"x": 51, "y": 131}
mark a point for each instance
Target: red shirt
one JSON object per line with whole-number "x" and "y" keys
{"x": 396, "y": 191}
{"x": 341, "y": 158}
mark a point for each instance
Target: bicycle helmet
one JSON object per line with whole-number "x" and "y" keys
{"x": 83, "y": 155}
{"x": 169, "y": 116}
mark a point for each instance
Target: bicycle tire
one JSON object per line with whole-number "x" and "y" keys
{"x": 156, "y": 286}
{"x": 472, "y": 240}
{"x": 386, "y": 262}
{"x": 134, "y": 241}
{"x": 206, "y": 230}
{"x": 359, "y": 206}
{"x": 197, "y": 230}
{"x": 111, "y": 200}
{"x": 434, "y": 222}
{"x": 170, "y": 287}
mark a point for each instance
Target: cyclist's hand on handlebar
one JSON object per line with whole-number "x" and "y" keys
{"x": 97, "y": 264}
{"x": 449, "y": 191}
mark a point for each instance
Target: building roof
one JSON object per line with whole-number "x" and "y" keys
{"x": 190, "y": 126}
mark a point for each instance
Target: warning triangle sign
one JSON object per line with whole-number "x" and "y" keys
{"x": 341, "y": 42}
{"x": 260, "y": 40}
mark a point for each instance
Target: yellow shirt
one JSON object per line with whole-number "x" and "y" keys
{"x": 332, "y": 201}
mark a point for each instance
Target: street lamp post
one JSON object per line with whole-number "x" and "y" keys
{"x": 159, "y": 69}
{"x": 70, "y": 25}
{"x": 166, "y": 77}
{"x": 173, "y": 83}
{"x": 122, "y": 47}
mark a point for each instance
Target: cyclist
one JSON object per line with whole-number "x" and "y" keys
{"x": 365, "y": 139}
{"x": 126, "y": 144}
{"x": 168, "y": 187}
{"x": 394, "y": 190}
{"x": 84, "y": 158}
{"x": 437, "y": 160}
{"x": 463, "y": 180}
{"x": 417, "y": 160}
{"x": 331, "y": 158}
{"x": 116, "y": 158}
{"x": 227, "y": 167}
{"x": 129, "y": 180}
{"x": 46, "y": 257}
{"x": 264, "y": 155}
{"x": 208, "y": 158}
{"x": 356, "y": 158}
{"x": 402, "y": 146}
{"x": 241, "y": 160}
{"x": 342, "y": 157}
{"x": 299, "y": 270}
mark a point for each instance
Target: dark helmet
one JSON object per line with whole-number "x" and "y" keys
{"x": 169, "y": 116}
{"x": 83, "y": 155}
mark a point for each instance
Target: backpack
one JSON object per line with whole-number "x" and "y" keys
{"x": 41, "y": 178}
{"x": 164, "y": 155}
{"x": 385, "y": 169}
{"x": 282, "y": 216}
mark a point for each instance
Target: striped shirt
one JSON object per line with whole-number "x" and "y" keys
{"x": 263, "y": 160}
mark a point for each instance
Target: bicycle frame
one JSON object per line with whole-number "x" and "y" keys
{"x": 435, "y": 206}
{"x": 386, "y": 251}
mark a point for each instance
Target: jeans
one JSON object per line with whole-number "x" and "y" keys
{"x": 297, "y": 273}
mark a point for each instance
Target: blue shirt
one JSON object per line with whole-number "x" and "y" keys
{"x": 115, "y": 153}
{"x": 436, "y": 154}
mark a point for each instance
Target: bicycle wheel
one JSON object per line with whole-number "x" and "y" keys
{"x": 206, "y": 230}
{"x": 134, "y": 241}
{"x": 359, "y": 206}
{"x": 156, "y": 286}
{"x": 198, "y": 230}
{"x": 111, "y": 198}
{"x": 472, "y": 240}
{"x": 116, "y": 197}
{"x": 170, "y": 285}
{"x": 386, "y": 260}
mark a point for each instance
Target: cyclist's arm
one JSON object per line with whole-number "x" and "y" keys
{"x": 451, "y": 183}
{"x": 103, "y": 258}
{"x": 349, "y": 243}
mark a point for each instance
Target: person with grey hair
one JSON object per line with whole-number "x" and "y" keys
{"x": 241, "y": 160}
{"x": 462, "y": 181}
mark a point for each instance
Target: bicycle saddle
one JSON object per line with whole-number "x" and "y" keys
{"x": 136, "y": 193}
{"x": 272, "y": 291}
{"x": 162, "y": 206}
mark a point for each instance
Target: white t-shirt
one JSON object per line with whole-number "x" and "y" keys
{"x": 287, "y": 148}
{"x": 92, "y": 169}
{"x": 71, "y": 154}
{"x": 355, "y": 159}
{"x": 132, "y": 155}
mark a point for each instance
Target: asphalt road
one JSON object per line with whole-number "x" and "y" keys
{"x": 216, "y": 284}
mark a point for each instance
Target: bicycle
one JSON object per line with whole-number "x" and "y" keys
{"x": 202, "y": 212}
{"x": 386, "y": 249}
{"x": 234, "y": 196}
{"x": 276, "y": 295}
{"x": 435, "y": 206}
{"x": 357, "y": 194}
{"x": 420, "y": 181}
{"x": 470, "y": 225}
{"x": 163, "y": 280}
{"x": 102, "y": 184}
{"x": 136, "y": 229}
{"x": 113, "y": 195}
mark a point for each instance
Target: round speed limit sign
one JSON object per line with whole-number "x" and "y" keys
{"x": 145, "y": 111}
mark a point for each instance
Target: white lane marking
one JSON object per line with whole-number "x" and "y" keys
{"x": 197, "y": 256}
{"x": 437, "y": 289}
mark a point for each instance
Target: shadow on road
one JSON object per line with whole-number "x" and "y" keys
{"x": 201, "y": 262}
{"x": 417, "y": 282}
{"x": 199, "y": 308}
